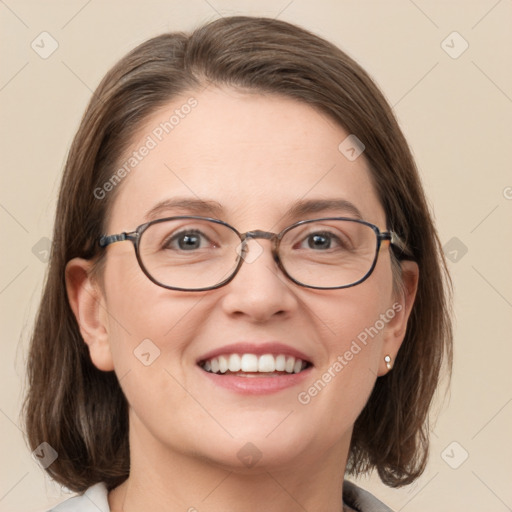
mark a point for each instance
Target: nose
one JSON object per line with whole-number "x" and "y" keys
{"x": 259, "y": 291}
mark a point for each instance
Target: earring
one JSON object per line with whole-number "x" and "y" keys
{"x": 387, "y": 358}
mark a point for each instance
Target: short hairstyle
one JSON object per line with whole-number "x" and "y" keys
{"x": 81, "y": 411}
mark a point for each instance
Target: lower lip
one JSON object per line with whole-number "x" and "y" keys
{"x": 257, "y": 385}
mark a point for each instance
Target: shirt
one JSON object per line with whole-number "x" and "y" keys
{"x": 95, "y": 499}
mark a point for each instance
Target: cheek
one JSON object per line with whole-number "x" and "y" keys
{"x": 353, "y": 315}
{"x": 150, "y": 329}
{"x": 145, "y": 318}
{"x": 350, "y": 328}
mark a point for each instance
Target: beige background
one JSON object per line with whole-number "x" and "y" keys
{"x": 456, "y": 113}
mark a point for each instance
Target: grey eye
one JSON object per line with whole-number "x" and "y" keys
{"x": 319, "y": 241}
{"x": 186, "y": 240}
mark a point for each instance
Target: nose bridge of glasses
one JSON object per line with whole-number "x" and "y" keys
{"x": 265, "y": 235}
{"x": 262, "y": 235}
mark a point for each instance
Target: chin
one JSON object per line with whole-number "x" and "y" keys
{"x": 253, "y": 450}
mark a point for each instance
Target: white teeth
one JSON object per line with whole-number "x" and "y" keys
{"x": 266, "y": 363}
{"x": 280, "y": 363}
{"x": 251, "y": 363}
{"x": 290, "y": 363}
{"x": 223, "y": 364}
{"x": 235, "y": 363}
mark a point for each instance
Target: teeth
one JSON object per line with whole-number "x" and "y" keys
{"x": 280, "y": 363}
{"x": 290, "y": 363}
{"x": 249, "y": 363}
{"x": 266, "y": 363}
{"x": 234, "y": 363}
{"x": 223, "y": 364}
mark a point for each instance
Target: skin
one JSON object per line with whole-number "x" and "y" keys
{"x": 255, "y": 155}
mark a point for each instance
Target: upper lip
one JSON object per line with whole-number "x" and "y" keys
{"x": 256, "y": 349}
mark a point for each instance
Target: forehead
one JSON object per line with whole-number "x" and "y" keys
{"x": 255, "y": 155}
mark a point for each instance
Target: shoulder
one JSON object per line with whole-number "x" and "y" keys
{"x": 360, "y": 500}
{"x": 94, "y": 499}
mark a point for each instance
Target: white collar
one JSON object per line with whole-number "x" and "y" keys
{"x": 95, "y": 499}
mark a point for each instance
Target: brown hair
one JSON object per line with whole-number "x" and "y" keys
{"x": 81, "y": 411}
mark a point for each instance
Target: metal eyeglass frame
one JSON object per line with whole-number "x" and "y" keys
{"x": 275, "y": 238}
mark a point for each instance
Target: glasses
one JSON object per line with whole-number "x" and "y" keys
{"x": 191, "y": 253}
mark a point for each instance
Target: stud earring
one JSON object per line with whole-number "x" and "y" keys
{"x": 387, "y": 358}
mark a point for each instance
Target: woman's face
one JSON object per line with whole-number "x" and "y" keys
{"x": 252, "y": 157}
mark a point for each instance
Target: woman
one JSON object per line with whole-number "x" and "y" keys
{"x": 246, "y": 297}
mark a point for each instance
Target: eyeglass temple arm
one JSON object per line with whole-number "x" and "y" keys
{"x": 397, "y": 242}
{"x": 111, "y": 239}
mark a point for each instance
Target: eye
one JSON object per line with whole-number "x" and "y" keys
{"x": 321, "y": 241}
{"x": 189, "y": 240}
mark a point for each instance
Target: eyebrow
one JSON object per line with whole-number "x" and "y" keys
{"x": 188, "y": 205}
{"x": 210, "y": 208}
{"x": 301, "y": 208}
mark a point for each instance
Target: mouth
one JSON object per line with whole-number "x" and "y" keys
{"x": 252, "y": 365}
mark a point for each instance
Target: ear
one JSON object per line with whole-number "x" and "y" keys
{"x": 396, "y": 327}
{"x": 88, "y": 304}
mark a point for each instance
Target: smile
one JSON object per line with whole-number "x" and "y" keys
{"x": 252, "y": 364}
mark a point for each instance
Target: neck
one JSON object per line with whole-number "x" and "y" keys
{"x": 171, "y": 481}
